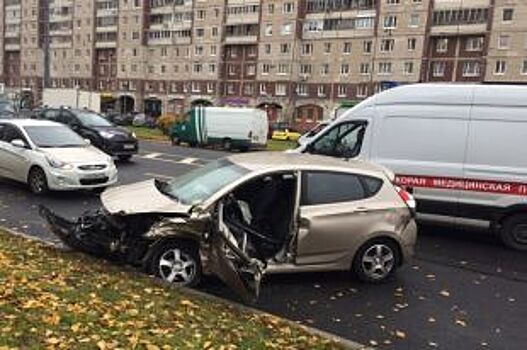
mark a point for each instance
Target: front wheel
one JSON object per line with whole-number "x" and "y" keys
{"x": 514, "y": 232}
{"x": 227, "y": 144}
{"x": 376, "y": 261}
{"x": 37, "y": 181}
{"x": 177, "y": 263}
{"x": 175, "y": 141}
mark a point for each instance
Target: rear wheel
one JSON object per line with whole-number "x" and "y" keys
{"x": 376, "y": 261}
{"x": 37, "y": 181}
{"x": 514, "y": 232}
{"x": 227, "y": 144}
{"x": 177, "y": 263}
{"x": 175, "y": 141}
{"x": 125, "y": 158}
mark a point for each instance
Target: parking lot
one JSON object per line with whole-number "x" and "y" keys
{"x": 462, "y": 290}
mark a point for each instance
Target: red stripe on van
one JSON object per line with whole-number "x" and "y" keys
{"x": 512, "y": 188}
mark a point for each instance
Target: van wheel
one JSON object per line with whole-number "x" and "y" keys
{"x": 376, "y": 261}
{"x": 175, "y": 141}
{"x": 227, "y": 144}
{"x": 37, "y": 181}
{"x": 514, "y": 232}
{"x": 177, "y": 263}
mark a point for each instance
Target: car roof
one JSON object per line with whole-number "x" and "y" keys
{"x": 277, "y": 161}
{"x": 29, "y": 122}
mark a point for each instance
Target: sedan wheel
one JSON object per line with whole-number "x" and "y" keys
{"x": 177, "y": 264}
{"x": 37, "y": 181}
{"x": 376, "y": 261}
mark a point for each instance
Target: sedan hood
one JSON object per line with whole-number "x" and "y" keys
{"x": 114, "y": 130}
{"x": 140, "y": 198}
{"x": 76, "y": 155}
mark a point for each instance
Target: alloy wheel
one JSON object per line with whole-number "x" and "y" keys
{"x": 177, "y": 267}
{"x": 378, "y": 261}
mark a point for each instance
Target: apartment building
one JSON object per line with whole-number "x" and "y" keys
{"x": 300, "y": 60}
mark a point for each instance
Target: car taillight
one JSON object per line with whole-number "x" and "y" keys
{"x": 407, "y": 198}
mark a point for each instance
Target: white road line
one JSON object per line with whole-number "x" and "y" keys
{"x": 151, "y": 155}
{"x": 171, "y": 161}
{"x": 188, "y": 160}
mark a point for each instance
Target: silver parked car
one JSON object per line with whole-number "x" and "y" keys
{"x": 245, "y": 215}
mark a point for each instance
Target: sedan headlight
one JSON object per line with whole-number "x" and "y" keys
{"x": 57, "y": 163}
{"x": 106, "y": 134}
{"x": 134, "y": 135}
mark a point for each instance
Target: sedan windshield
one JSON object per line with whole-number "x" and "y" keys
{"x": 92, "y": 119}
{"x": 54, "y": 136}
{"x": 198, "y": 185}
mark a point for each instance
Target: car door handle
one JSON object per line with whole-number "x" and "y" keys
{"x": 361, "y": 210}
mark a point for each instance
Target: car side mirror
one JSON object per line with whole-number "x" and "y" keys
{"x": 75, "y": 127}
{"x": 87, "y": 142}
{"x": 18, "y": 143}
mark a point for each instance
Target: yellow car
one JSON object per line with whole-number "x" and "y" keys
{"x": 286, "y": 135}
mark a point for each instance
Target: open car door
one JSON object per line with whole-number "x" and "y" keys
{"x": 229, "y": 260}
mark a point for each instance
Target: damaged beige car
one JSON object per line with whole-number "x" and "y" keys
{"x": 245, "y": 215}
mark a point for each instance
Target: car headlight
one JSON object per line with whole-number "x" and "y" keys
{"x": 134, "y": 135}
{"x": 106, "y": 134}
{"x": 57, "y": 163}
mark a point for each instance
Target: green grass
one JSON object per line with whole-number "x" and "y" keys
{"x": 144, "y": 133}
{"x": 274, "y": 145}
{"x": 55, "y": 299}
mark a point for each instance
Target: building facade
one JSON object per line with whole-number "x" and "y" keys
{"x": 301, "y": 60}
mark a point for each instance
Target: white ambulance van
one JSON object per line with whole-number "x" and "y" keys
{"x": 462, "y": 149}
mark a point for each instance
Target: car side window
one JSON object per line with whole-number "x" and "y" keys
{"x": 67, "y": 118}
{"x": 331, "y": 187}
{"x": 343, "y": 141}
{"x": 51, "y": 114}
{"x": 2, "y": 128}
{"x": 12, "y": 133}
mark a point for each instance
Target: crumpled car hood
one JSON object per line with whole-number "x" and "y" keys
{"x": 140, "y": 198}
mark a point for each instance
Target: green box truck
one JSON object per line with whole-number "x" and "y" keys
{"x": 232, "y": 128}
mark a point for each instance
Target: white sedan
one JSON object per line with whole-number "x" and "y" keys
{"x": 50, "y": 156}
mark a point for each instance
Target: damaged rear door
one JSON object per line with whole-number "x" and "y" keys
{"x": 228, "y": 260}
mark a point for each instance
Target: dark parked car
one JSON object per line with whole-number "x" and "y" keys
{"x": 103, "y": 134}
{"x": 7, "y": 110}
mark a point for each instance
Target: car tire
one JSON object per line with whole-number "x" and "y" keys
{"x": 37, "y": 181}
{"x": 227, "y": 144}
{"x": 125, "y": 158}
{"x": 514, "y": 232}
{"x": 175, "y": 141}
{"x": 177, "y": 263}
{"x": 376, "y": 261}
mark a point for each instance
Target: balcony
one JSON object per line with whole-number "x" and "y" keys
{"x": 61, "y": 32}
{"x": 105, "y": 44}
{"x": 108, "y": 12}
{"x": 329, "y": 6}
{"x": 241, "y": 40}
{"x": 12, "y": 33}
{"x": 106, "y": 29}
{"x": 171, "y": 26}
{"x": 457, "y": 4}
{"x": 12, "y": 47}
{"x": 348, "y": 25}
{"x": 460, "y": 21}
{"x": 243, "y": 13}
{"x": 242, "y": 34}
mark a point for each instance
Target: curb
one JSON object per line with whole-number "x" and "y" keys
{"x": 348, "y": 344}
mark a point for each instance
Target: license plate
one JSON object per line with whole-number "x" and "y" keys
{"x": 94, "y": 176}
{"x": 131, "y": 146}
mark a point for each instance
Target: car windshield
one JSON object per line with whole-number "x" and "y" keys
{"x": 6, "y": 108}
{"x": 88, "y": 118}
{"x": 54, "y": 136}
{"x": 200, "y": 184}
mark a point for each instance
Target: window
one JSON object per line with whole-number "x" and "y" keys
{"x": 327, "y": 187}
{"x": 500, "y": 68}
{"x": 343, "y": 140}
{"x": 283, "y": 69}
{"x": 286, "y": 29}
{"x": 327, "y": 47}
{"x": 267, "y": 49}
{"x": 342, "y": 91}
{"x": 474, "y": 44}
{"x": 412, "y": 43}
{"x": 344, "y": 69}
{"x": 524, "y": 67}
{"x": 385, "y": 68}
{"x": 306, "y": 49}
{"x": 321, "y": 91}
{"x": 268, "y": 29}
{"x": 438, "y": 69}
{"x": 305, "y": 69}
{"x": 301, "y": 90}
{"x": 504, "y": 41}
{"x": 387, "y": 45}
{"x": 263, "y": 89}
{"x": 324, "y": 69}
{"x": 266, "y": 68}
{"x": 11, "y": 132}
{"x": 392, "y": 2}
{"x": 408, "y": 68}
{"x": 508, "y": 15}
{"x": 367, "y": 46}
{"x": 289, "y": 7}
{"x": 346, "y": 48}
{"x": 390, "y": 22}
{"x": 270, "y": 8}
{"x": 364, "y": 68}
{"x": 414, "y": 20}
{"x": 442, "y": 45}
{"x": 280, "y": 90}
{"x": 362, "y": 90}
{"x": 285, "y": 48}
{"x": 471, "y": 69}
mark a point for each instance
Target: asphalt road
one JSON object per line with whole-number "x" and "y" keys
{"x": 463, "y": 290}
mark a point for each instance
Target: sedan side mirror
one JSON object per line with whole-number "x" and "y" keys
{"x": 18, "y": 143}
{"x": 87, "y": 142}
